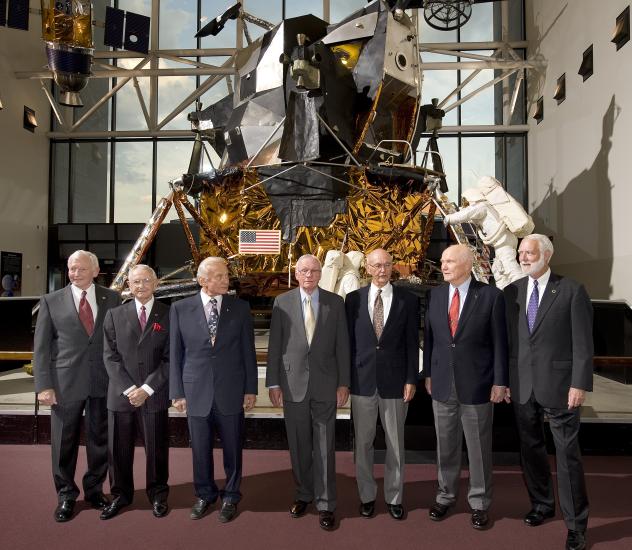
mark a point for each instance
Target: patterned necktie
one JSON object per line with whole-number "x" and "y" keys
{"x": 213, "y": 320}
{"x": 532, "y": 308}
{"x": 453, "y": 314}
{"x": 378, "y": 314}
{"x": 85, "y": 314}
{"x": 143, "y": 318}
{"x": 310, "y": 321}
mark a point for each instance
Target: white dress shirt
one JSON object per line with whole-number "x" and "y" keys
{"x": 542, "y": 282}
{"x": 206, "y": 300}
{"x": 463, "y": 290}
{"x": 91, "y": 296}
{"x": 387, "y": 299}
{"x": 148, "y": 306}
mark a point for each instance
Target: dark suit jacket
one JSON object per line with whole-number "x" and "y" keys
{"x": 292, "y": 363}
{"x": 393, "y": 361}
{"x": 209, "y": 375}
{"x": 559, "y": 352}
{"x": 134, "y": 359}
{"x": 65, "y": 358}
{"x": 478, "y": 352}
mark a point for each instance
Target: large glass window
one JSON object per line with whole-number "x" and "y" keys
{"x": 133, "y": 185}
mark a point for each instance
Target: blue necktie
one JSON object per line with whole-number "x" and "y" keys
{"x": 532, "y": 308}
{"x": 213, "y": 320}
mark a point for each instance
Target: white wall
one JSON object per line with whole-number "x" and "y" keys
{"x": 24, "y": 155}
{"x": 580, "y": 155}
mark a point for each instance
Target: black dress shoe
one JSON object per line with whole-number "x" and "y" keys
{"x": 113, "y": 509}
{"x": 396, "y": 511}
{"x": 200, "y": 508}
{"x": 576, "y": 540}
{"x": 228, "y": 512}
{"x": 64, "y": 510}
{"x": 480, "y": 519}
{"x": 160, "y": 508}
{"x": 326, "y": 520}
{"x": 98, "y": 501}
{"x": 438, "y": 511}
{"x": 535, "y": 517}
{"x": 298, "y": 508}
{"x": 367, "y": 509}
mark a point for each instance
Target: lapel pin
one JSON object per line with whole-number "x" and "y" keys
{"x": 553, "y": 291}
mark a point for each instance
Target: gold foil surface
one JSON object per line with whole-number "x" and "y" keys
{"x": 378, "y": 216}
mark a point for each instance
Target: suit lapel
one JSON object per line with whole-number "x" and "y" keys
{"x": 197, "y": 312}
{"x": 396, "y": 305}
{"x": 69, "y": 301}
{"x": 225, "y": 313}
{"x": 152, "y": 319}
{"x": 469, "y": 306}
{"x": 321, "y": 314}
{"x": 101, "y": 300}
{"x": 364, "y": 311}
{"x": 550, "y": 294}
{"x": 444, "y": 296}
{"x": 132, "y": 319}
{"x": 523, "y": 326}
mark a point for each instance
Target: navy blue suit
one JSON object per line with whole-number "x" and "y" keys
{"x": 477, "y": 355}
{"x": 213, "y": 379}
{"x": 387, "y": 365}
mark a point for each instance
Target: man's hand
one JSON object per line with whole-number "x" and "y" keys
{"x": 180, "y": 404}
{"x": 498, "y": 394}
{"x": 342, "y": 395}
{"x": 47, "y": 397}
{"x": 507, "y": 395}
{"x": 576, "y": 398}
{"x": 249, "y": 401}
{"x": 276, "y": 396}
{"x": 428, "y": 385}
{"x": 409, "y": 392}
{"x": 137, "y": 397}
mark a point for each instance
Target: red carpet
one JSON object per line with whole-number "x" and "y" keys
{"x": 28, "y": 501}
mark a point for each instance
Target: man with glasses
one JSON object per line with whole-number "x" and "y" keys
{"x": 136, "y": 356}
{"x": 384, "y": 335}
{"x": 213, "y": 378}
{"x": 308, "y": 375}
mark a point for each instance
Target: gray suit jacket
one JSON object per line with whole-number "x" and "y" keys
{"x": 558, "y": 353}
{"x": 133, "y": 358}
{"x": 65, "y": 358}
{"x": 292, "y": 363}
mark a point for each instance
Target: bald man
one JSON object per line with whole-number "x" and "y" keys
{"x": 465, "y": 366}
{"x": 383, "y": 325}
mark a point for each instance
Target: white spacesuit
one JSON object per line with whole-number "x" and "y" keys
{"x": 499, "y": 219}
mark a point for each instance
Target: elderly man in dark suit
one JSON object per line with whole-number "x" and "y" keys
{"x": 465, "y": 365}
{"x": 213, "y": 378}
{"x": 308, "y": 375}
{"x": 550, "y": 370}
{"x": 384, "y": 336}
{"x": 70, "y": 377}
{"x": 136, "y": 355}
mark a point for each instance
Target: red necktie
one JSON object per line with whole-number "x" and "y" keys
{"x": 85, "y": 314}
{"x": 143, "y": 319}
{"x": 453, "y": 314}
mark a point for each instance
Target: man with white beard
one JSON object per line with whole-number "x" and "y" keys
{"x": 549, "y": 319}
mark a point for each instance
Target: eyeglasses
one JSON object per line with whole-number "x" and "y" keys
{"x": 387, "y": 265}
{"x": 306, "y": 272}
{"x": 139, "y": 282}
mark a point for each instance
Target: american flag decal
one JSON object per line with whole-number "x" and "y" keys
{"x": 259, "y": 241}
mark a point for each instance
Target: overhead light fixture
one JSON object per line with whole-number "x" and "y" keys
{"x": 538, "y": 114}
{"x": 560, "y": 89}
{"x": 29, "y": 122}
{"x": 621, "y": 33}
{"x": 586, "y": 68}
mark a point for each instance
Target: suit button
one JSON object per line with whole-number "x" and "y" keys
{"x": 377, "y": 347}
{"x": 452, "y": 345}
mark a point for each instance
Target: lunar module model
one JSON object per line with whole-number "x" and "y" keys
{"x": 318, "y": 150}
